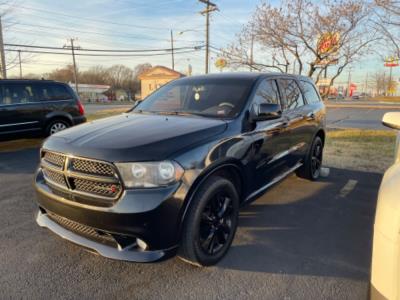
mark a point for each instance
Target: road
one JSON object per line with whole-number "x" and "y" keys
{"x": 301, "y": 240}
{"x": 362, "y": 117}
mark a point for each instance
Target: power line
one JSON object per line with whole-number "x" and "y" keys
{"x": 99, "y": 50}
{"x": 89, "y": 19}
{"x": 90, "y": 32}
{"x": 101, "y": 55}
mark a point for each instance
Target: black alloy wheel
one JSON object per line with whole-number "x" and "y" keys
{"x": 211, "y": 222}
{"x": 316, "y": 159}
{"x": 311, "y": 168}
{"x": 216, "y": 223}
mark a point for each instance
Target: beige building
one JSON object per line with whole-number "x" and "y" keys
{"x": 156, "y": 77}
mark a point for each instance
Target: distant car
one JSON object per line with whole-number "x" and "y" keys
{"x": 385, "y": 274}
{"x": 170, "y": 175}
{"x": 355, "y": 96}
{"x": 38, "y": 106}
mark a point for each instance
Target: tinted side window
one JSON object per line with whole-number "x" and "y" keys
{"x": 51, "y": 92}
{"x": 267, "y": 92}
{"x": 18, "y": 94}
{"x": 309, "y": 92}
{"x": 294, "y": 98}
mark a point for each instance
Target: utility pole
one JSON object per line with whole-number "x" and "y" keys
{"x": 211, "y": 7}
{"x": 20, "y": 64}
{"x": 252, "y": 52}
{"x": 2, "y": 54}
{"x": 73, "y": 48}
{"x": 366, "y": 85}
{"x": 172, "y": 50}
{"x": 349, "y": 83}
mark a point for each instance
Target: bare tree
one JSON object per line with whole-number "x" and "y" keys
{"x": 65, "y": 74}
{"x": 388, "y": 23}
{"x": 95, "y": 75}
{"x": 240, "y": 54}
{"x": 121, "y": 76}
{"x": 382, "y": 83}
{"x": 296, "y": 33}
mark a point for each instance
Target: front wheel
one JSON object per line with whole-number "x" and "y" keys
{"x": 211, "y": 222}
{"x": 313, "y": 162}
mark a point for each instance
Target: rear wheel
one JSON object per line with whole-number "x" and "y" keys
{"x": 313, "y": 163}
{"x": 211, "y": 223}
{"x": 56, "y": 126}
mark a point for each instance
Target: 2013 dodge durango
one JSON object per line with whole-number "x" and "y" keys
{"x": 169, "y": 176}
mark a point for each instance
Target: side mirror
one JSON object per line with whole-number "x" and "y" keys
{"x": 265, "y": 112}
{"x": 392, "y": 120}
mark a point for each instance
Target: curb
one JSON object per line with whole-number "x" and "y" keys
{"x": 363, "y": 106}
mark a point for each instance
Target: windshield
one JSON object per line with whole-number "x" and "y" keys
{"x": 220, "y": 98}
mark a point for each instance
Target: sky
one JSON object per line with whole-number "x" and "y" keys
{"x": 130, "y": 24}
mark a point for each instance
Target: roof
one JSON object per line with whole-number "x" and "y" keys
{"x": 246, "y": 75}
{"x": 168, "y": 73}
{"x": 24, "y": 80}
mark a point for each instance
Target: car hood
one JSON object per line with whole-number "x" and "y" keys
{"x": 135, "y": 137}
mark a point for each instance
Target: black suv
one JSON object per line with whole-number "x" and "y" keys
{"x": 170, "y": 175}
{"x": 38, "y": 106}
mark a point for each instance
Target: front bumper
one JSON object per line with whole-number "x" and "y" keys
{"x": 129, "y": 253}
{"x": 152, "y": 216}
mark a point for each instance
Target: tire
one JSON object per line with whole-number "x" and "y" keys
{"x": 311, "y": 169}
{"x": 55, "y": 126}
{"x": 211, "y": 222}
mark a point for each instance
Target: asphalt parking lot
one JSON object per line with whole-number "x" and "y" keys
{"x": 301, "y": 240}
{"x": 362, "y": 118}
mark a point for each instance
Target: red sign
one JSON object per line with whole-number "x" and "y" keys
{"x": 391, "y": 62}
{"x": 353, "y": 88}
{"x": 328, "y": 43}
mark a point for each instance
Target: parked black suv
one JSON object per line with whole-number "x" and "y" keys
{"x": 171, "y": 174}
{"x": 38, "y": 105}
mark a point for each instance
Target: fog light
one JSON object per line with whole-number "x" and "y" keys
{"x": 142, "y": 245}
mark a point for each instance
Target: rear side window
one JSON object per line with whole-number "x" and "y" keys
{"x": 267, "y": 92}
{"x": 309, "y": 92}
{"x": 290, "y": 89}
{"x": 53, "y": 92}
{"x": 18, "y": 94}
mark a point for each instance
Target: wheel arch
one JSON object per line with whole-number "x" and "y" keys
{"x": 232, "y": 170}
{"x": 58, "y": 116}
{"x": 321, "y": 133}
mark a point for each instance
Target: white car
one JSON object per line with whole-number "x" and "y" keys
{"x": 385, "y": 274}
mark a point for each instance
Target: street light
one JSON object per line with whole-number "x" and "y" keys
{"x": 172, "y": 44}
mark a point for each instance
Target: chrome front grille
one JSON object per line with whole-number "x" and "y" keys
{"x": 98, "y": 188}
{"x": 81, "y": 178}
{"x": 92, "y": 167}
{"x": 54, "y": 177}
{"x": 55, "y": 159}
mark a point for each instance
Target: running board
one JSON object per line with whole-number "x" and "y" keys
{"x": 274, "y": 181}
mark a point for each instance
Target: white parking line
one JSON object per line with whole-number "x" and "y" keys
{"x": 349, "y": 186}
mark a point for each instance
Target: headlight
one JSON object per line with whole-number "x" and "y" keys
{"x": 150, "y": 174}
